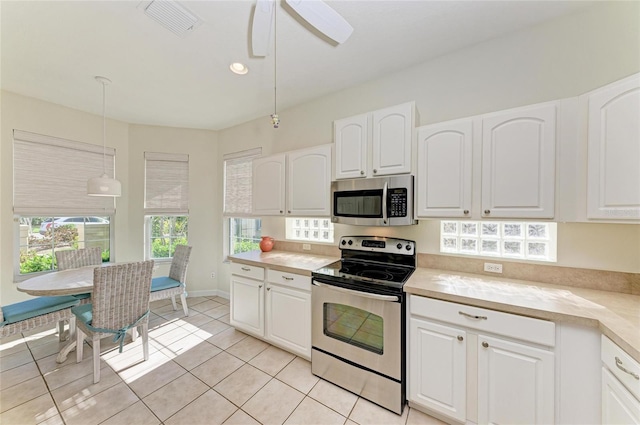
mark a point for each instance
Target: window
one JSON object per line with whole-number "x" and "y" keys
{"x": 310, "y": 229}
{"x": 243, "y": 231}
{"x": 510, "y": 239}
{"x": 166, "y": 203}
{"x": 50, "y": 201}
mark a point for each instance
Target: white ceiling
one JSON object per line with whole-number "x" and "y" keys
{"x": 52, "y": 50}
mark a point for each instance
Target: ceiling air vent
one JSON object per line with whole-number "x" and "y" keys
{"x": 173, "y": 16}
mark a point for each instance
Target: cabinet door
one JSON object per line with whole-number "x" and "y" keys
{"x": 392, "y": 133}
{"x": 351, "y": 139}
{"x": 618, "y": 405}
{"x": 437, "y": 364}
{"x": 515, "y": 383}
{"x": 289, "y": 319}
{"x": 444, "y": 169}
{"x": 247, "y": 304}
{"x": 268, "y": 185}
{"x": 518, "y": 163}
{"x": 309, "y": 182}
{"x": 613, "y": 188}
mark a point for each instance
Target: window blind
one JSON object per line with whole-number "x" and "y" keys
{"x": 50, "y": 176}
{"x": 166, "y": 186}
{"x": 237, "y": 182}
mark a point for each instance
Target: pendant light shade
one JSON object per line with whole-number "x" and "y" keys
{"x": 104, "y": 185}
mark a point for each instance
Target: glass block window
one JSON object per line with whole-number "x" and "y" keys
{"x": 310, "y": 229}
{"x": 512, "y": 239}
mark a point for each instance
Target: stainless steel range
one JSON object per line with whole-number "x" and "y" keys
{"x": 358, "y": 318}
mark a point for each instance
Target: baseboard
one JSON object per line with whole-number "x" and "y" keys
{"x": 209, "y": 293}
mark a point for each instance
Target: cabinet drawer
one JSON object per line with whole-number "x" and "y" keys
{"x": 523, "y": 328}
{"x": 251, "y": 272}
{"x": 289, "y": 279}
{"x": 618, "y": 361}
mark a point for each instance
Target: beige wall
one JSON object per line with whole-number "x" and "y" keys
{"x": 559, "y": 59}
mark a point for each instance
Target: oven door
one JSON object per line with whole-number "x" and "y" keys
{"x": 360, "y": 327}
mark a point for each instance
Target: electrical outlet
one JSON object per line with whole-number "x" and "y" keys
{"x": 306, "y": 246}
{"x": 493, "y": 267}
{"x": 213, "y": 275}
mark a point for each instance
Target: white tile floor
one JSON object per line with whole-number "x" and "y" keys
{"x": 200, "y": 371}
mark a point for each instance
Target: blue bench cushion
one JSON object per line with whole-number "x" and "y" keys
{"x": 82, "y": 296}
{"x": 36, "y": 307}
{"x": 83, "y": 312}
{"x": 162, "y": 283}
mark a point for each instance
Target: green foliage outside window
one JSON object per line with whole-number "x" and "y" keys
{"x": 166, "y": 233}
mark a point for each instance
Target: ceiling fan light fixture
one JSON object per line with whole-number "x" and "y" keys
{"x": 238, "y": 68}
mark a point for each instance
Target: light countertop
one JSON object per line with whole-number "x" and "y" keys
{"x": 617, "y": 315}
{"x": 284, "y": 261}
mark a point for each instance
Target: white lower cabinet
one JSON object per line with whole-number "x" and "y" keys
{"x": 438, "y": 375}
{"x": 272, "y": 305}
{"x": 478, "y": 365}
{"x": 620, "y": 385}
{"x": 515, "y": 383}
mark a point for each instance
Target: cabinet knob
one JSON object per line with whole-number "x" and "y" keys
{"x": 485, "y": 344}
{"x": 361, "y": 173}
{"x": 375, "y": 171}
{"x": 280, "y": 211}
{"x": 288, "y": 211}
{"x": 268, "y": 288}
{"x": 259, "y": 286}
{"x": 466, "y": 211}
{"x": 460, "y": 338}
{"x": 487, "y": 211}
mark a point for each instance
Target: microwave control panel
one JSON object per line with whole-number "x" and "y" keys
{"x": 398, "y": 202}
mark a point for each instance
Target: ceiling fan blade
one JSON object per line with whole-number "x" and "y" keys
{"x": 261, "y": 27}
{"x": 323, "y": 18}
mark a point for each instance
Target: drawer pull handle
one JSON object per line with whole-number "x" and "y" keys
{"x": 245, "y": 269}
{"x": 485, "y": 344}
{"x": 460, "y": 338}
{"x": 471, "y": 316}
{"x": 622, "y": 368}
{"x": 287, "y": 278}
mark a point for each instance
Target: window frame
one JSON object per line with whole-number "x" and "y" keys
{"x": 148, "y": 237}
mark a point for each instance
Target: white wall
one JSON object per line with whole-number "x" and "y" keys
{"x": 562, "y": 58}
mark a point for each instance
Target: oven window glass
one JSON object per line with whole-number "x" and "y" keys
{"x": 365, "y": 203}
{"x": 353, "y": 326}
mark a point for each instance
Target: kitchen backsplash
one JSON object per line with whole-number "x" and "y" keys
{"x": 627, "y": 283}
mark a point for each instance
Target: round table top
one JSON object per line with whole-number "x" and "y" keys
{"x": 65, "y": 282}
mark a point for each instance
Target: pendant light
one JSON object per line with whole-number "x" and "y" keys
{"x": 104, "y": 185}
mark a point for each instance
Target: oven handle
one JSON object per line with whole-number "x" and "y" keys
{"x": 391, "y": 298}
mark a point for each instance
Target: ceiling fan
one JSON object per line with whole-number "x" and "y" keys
{"x": 316, "y": 12}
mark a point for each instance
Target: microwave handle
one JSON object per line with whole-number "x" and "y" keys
{"x": 384, "y": 202}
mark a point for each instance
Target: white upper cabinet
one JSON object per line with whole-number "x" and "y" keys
{"x": 613, "y": 173}
{"x": 268, "y": 185}
{"x": 518, "y": 162}
{"x": 391, "y": 139}
{"x": 351, "y": 139}
{"x": 444, "y": 169}
{"x": 295, "y": 183}
{"x": 378, "y": 143}
{"x": 309, "y": 182}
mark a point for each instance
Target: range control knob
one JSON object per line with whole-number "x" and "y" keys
{"x": 408, "y": 247}
{"x": 350, "y": 242}
{"x": 399, "y": 246}
{"x": 343, "y": 242}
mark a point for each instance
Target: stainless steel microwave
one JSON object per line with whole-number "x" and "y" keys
{"x": 379, "y": 201}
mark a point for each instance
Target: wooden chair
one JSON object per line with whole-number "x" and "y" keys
{"x": 174, "y": 284}
{"x": 40, "y": 311}
{"x": 120, "y": 301}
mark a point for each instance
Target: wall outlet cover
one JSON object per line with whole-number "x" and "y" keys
{"x": 306, "y": 246}
{"x": 493, "y": 267}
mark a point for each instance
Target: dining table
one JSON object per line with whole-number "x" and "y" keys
{"x": 64, "y": 282}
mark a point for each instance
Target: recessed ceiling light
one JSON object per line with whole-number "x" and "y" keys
{"x": 238, "y": 68}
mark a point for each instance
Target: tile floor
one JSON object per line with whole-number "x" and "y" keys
{"x": 200, "y": 371}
